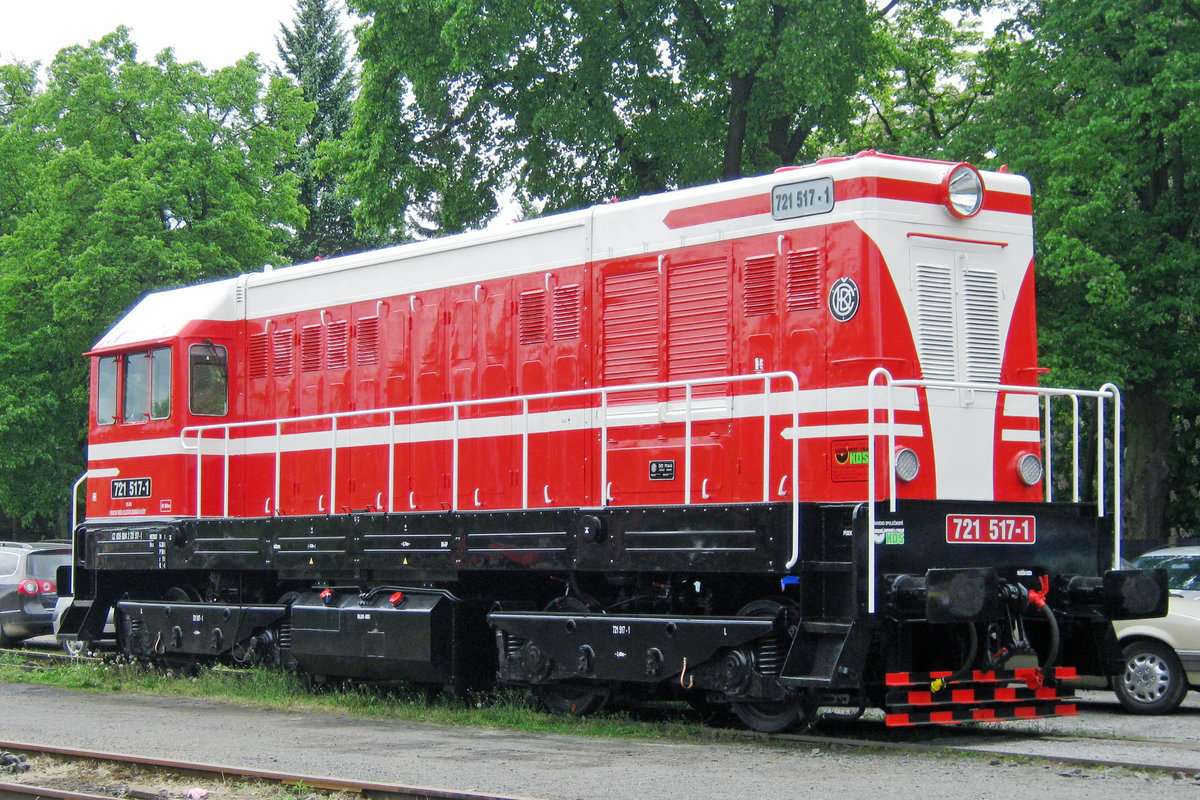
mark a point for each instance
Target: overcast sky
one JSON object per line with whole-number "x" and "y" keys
{"x": 214, "y": 32}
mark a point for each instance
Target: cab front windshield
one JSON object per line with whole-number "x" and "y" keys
{"x": 134, "y": 387}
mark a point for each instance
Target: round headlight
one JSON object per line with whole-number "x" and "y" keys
{"x": 907, "y": 464}
{"x": 1029, "y": 469}
{"x": 964, "y": 191}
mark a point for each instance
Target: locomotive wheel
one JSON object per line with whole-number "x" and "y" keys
{"x": 566, "y": 698}
{"x": 766, "y": 717}
{"x": 182, "y": 594}
{"x": 569, "y": 697}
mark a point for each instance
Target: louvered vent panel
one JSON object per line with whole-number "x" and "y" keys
{"x": 259, "y": 348}
{"x": 337, "y": 345}
{"x": 698, "y": 322}
{"x": 981, "y": 295}
{"x": 935, "y": 322}
{"x": 631, "y": 333}
{"x": 567, "y": 312}
{"x": 804, "y": 280}
{"x": 758, "y": 286}
{"x": 367, "y": 342}
{"x": 310, "y": 348}
{"x": 281, "y": 353}
{"x": 533, "y": 316}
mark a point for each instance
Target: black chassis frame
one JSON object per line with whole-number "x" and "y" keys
{"x": 497, "y": 569}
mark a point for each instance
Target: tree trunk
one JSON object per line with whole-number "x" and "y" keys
{"x": 1146, "y": 478}
{"x": 735, "y": 139}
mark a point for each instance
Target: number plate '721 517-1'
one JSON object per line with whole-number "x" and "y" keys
{"x": 990, "y": 529}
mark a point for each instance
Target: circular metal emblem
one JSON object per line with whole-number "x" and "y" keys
{"x": 843, "y": 299}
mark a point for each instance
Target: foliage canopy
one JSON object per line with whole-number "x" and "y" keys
{"x": 1098, "y": 102}
{"x": 127, "y": 176}
{"x": 576, "y": 101}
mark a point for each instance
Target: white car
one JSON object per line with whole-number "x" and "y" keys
{"x": 1162, "y": 656}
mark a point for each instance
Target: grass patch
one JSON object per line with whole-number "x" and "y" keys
{"x": 262, "y": 687}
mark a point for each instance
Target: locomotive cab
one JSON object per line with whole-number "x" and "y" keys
{"x": 157, "y": 373}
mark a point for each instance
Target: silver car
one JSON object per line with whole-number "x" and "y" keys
{"x": 27, "y": 588}
{"x": 1162, "y": 656}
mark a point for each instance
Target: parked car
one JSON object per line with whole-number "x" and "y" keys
{"x": 1182, "y": 565}
{"x": 1162, "y": 656}
{"x": 27, "y": 588}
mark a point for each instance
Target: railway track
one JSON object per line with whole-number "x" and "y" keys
{"x": 34, "y": 657}
{"x": 141, "y": 775}
{"x": 1066, "y": 747}
{"x": 149, "y": 778}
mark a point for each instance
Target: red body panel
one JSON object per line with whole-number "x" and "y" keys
{"x": 731, "y": 305}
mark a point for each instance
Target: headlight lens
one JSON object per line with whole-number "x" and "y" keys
{"x": 1029, "y": 468}
{"x": 964, "y": 191}
{"x": 907, "y": 464}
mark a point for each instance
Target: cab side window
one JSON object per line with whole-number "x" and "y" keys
{"x": 106, "y": 391}
{"x": 209, "y": 367}
{"x": 160, "y": 383}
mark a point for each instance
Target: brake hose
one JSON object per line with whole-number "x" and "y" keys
{"x": 939, "y": 683}
{"x": 1038, "y": 598}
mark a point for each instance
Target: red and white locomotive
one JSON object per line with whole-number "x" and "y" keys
{"x": 775, "y": 444}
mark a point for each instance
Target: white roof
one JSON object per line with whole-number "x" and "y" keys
{"x": 641, "y": 225}
{"x": 161, "y": 315}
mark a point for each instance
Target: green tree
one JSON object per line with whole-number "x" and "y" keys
{"x": 927, "y": 82}
{"x": 137, "y": 176}
{"x": 576, "y": 101}
{"x": 17, "y": 85}
{"x": 314, "y": 52}
{"x": 1098, "y": 102}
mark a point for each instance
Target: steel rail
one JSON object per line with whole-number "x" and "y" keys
{"x": 32, "y": 657}
{"x": 366, "y": 789}
{"x": 21, "y": 791}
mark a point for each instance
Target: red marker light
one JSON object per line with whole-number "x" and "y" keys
{"x": 28, "y": 587}
{"x": 396, "y": 599}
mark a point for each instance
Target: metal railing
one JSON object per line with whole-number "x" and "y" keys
{"x": 1105, "y": 392}
{"x": 193, "y": 437}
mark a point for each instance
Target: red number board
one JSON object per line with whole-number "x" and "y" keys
{"x": 990, "y": 529}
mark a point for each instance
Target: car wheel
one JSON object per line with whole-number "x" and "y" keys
{"x": 76, "y": 648}
{"x": 1153, "y": 681}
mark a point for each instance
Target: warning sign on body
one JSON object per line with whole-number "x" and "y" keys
{"x": 849, "y": 460}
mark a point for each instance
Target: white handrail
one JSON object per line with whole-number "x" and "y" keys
{"x": 192, "y": 436}
{"x": 1116, "y": 396}
{"x": 1108, "y": 390}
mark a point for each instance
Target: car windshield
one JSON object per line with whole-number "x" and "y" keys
{"x": 1183, "y": 572}
{"x": 44, "y": 565}
{"x": 8, "y": 563}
